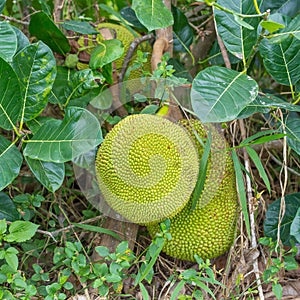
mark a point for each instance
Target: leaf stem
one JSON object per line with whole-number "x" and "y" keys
{"x": 218, "y": 6}
{"x": 256, "y": 7}
{"x": 254, "y": 48}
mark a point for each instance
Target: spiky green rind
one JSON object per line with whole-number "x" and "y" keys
{"x": 217, "y": 158}
{"x": 207, "y": 231}
{"x": 147, "y": 168}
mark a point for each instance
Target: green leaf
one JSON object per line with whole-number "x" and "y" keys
{"x": 293, "y": 130}
{"x": 81, "y": 88}
{"x": 62, "y": 79}
{"x": 78, "y": 133}
{"x": 43, "y": 28}
{"x": 262, "y": 173}
{"x": 285, "y": 7}
{"x": 2, "y": 5}
{"x": 241, "y": 22}
{"x": 80, "y": 27}
{"x": 8, "y": 41}
{"x": 282, "y": 60}
{"x": 290, "y": 262}
{"x": 153, "y": 14}
{"x": 182, "y": 31}
{"x": 177, "y": 290}
{"x": 102, "y": 251}
{"x": 241, "y": 190}
{"x": 22, "y": 40}
{"x": 10, "y": 162}
{"x": 293, "y": 29}
{"x": 51, "y": 175}
{"x": 144, "y": 292}
{"x": 238, "y": 37}
{"x": 12, "y": 258}
{"x": 219, "y": 94}
{"x": 35, "y": 64}
{"x": 98, "y": 229}
{"x": 129, "y": 15}
{"x": 295, "y": 226}
{"x": 103, "y": 100}
{"x": 107, "y": 52}
{"x": 8, "y": 210}
{"x": 150, "y": 109}
{"x": 21, "y": 231}
{"x": 202, "y": 173}
{"x": 271, "y": 26}
{"x": 263, "y": 104}
{"x": 277, "y": 290}
{"x": 292, "y": 204}
{"x": 10, "y": 96}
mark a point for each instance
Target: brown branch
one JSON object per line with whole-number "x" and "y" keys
{"x": 58, "y": 6}
{"x": 159, "y": 48}
{"x": 7, "y": 18}
{"x": 133, "y": 46}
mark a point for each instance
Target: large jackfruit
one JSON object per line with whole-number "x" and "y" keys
{"x": 147, "y": 168}
{"x": 208, "y": 230}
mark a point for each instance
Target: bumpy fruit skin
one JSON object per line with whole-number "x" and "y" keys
{"x": 209, "y": 229}
{"x": 147, "y": 168}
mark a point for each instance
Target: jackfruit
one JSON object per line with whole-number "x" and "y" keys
{"x": 147, "y": 168}
{"x": 126, "y": 37}
{"x": 209, "y": 229}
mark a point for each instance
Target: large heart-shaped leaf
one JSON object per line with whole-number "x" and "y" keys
{"x": 182, "y": 31}
{"x": 50, "y": 174}
{"x": 285, "y": 7}
{"x": 10, "y": 162}
{"x": 292, "y": 203}
{"x": 78, "y": 133}
{"x": 219, "y": 94}
{"x": 293, "y": 129}
{"x": 35, "y": 66}
{"x": 282, "y": 60}
{"x": 237, "y": 38}
{"x": 153, "y": 14}
{"x": 8, "y": 210}
{"x": 10, "y": 96}
{"x": 42, "y": 27}
{"x": 8, "y": 41}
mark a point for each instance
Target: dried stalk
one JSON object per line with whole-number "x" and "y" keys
{"x": 248, "y": 182}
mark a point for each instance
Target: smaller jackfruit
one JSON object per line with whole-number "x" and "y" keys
{"x": 147, "y": 168}
{"x": 126, "y": 37}
{"x": 208, "y": 230}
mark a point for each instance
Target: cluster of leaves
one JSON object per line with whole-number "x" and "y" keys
{"x": 72, "y": 261}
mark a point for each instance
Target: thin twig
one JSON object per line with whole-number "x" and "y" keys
{"x": 251, "y": 212}
{"x": 248, "y": 182}
{"x": 283, "y": 185}
{"x": 7, "y": 18}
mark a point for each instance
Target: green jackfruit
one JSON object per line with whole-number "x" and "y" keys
{"x": 126, "y": 37}
{"x": 209, "y": 229}
{"x": 147, "y": 168}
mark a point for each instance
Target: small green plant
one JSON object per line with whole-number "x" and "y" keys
{"x": 12, "y": 281}
{"x": 283, "y": 260}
